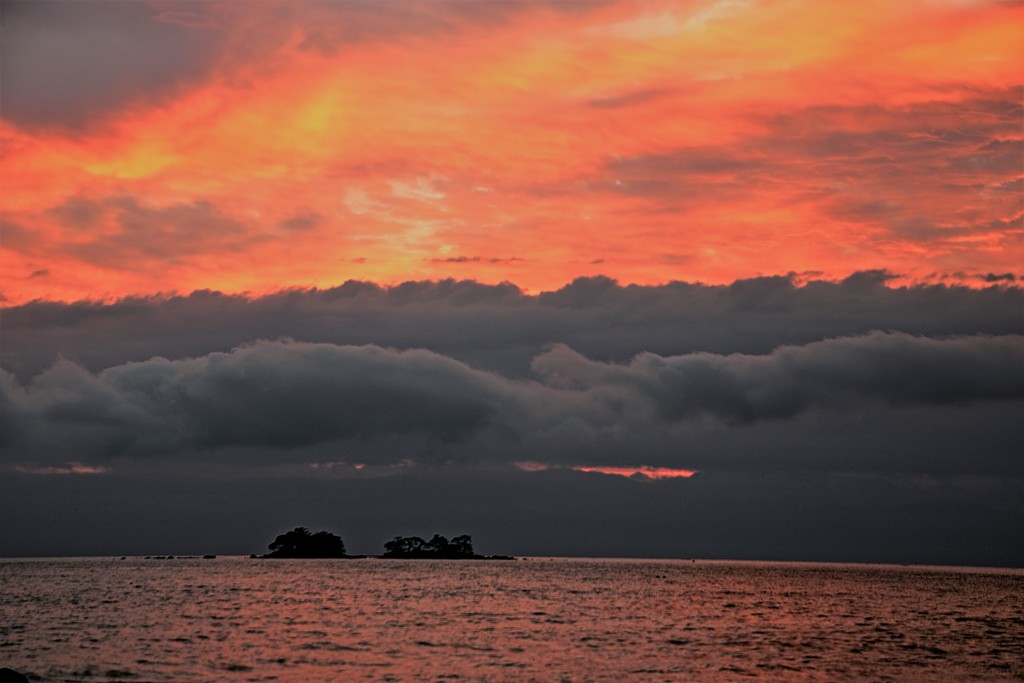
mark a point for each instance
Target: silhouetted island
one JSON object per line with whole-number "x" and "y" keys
{"x": 438, "y": 548}
{"x": 301, "y": 543}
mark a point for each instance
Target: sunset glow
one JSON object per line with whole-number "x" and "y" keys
{"x": 649, "y": 472}
{"x": 649, "y": 278}
{"x": 644, "y": 471}
{"x": 307, "y": 144}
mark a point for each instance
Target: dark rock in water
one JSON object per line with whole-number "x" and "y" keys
{"x": 209, "y": 557}
{"x": 119, "y": 673}
{"x": 12, "y": 676}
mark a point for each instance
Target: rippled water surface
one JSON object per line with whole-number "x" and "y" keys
{"x": 234, "y": 619}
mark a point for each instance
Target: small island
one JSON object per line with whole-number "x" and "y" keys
{"x": 301, "y": 543}
{"x": 438, "y": 547}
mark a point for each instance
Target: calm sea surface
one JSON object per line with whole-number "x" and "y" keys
{"x": 234, "y": 619}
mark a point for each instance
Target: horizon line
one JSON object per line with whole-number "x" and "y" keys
{"x": 606, "y": 558}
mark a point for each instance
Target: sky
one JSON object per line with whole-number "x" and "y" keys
{"x": 690, "y": 278}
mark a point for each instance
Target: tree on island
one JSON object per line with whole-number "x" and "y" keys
{"x": 301, "y": 543}
{"x": 439, "y": 547}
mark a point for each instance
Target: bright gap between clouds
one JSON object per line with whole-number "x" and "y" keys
{"x": 628, "y": 472}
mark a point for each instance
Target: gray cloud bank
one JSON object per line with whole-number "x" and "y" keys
{"x": 67, "y": 63}
{"x": 499, "y": 327}
{"x": 385, "y": 407}
{"x": 848, "y": 406}
{"x": 761, "y": 374}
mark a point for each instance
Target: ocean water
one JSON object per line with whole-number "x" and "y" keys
{"x": 236, "y": 619}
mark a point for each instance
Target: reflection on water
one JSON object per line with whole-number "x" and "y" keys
{"x": 234, "y": 619}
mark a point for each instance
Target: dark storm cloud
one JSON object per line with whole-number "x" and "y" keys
{"x": 66, "y": 62}
{"x": 420, "y": 407}
{"x": 813, "y": 437}
{"x": 69, "y": 63}
{"x": 498, "y": 327}
{"x": 892, "y": 141}
{"x": 897, "y": 368}
{"x": 144, "y": 233}
{"x": 866, "y": 164}
{"x": 275, "y": 394}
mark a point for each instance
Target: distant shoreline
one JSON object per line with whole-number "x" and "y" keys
{"x": 810, "y": 564}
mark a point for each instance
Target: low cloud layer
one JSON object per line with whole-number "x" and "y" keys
{"x": 303, "y": 403}
{"x": 501, "y": 328}
{"x": 839, "y": 373}
{"x": 824, "y": 420}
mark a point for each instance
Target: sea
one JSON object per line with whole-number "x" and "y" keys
{"x": 533, "y": 619}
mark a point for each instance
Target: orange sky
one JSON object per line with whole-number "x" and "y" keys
{"x": 526, "y": 141}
